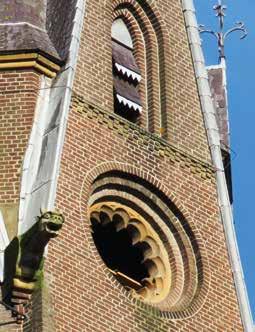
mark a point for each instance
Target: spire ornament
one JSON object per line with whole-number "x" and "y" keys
{"x": 222, "y": 35}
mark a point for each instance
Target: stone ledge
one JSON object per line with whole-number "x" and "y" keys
{"x": 133, "y": 132}
{"x": 29, "y": 60}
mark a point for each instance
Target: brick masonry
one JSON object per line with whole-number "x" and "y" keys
{"x": 18, "y": 96}
{"x": 80, "y": 281}
{"x": 84, "y": 296}
{"x": 78, "y": 293}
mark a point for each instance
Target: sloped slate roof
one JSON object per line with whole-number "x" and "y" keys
{"x": 25, "y": 38}
{"x": 219, "y": 94}
{"x": 59, "y": 24}
{"x": 220, "y": 101}
{"x": 37, "y": 25}
{"x": 30, "y": 11}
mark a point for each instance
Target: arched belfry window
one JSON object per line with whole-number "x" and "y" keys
{"x": 126, "y": 74}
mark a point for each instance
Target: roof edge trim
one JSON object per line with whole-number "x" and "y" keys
{"x": 215, "y": 148}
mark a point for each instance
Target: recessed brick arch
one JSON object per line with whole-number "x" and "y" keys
{"x": 186, "y": 308}
{"x": 152, "y": 69}
{"x": 152, "y": 27}
{"x": 140, "y": 57}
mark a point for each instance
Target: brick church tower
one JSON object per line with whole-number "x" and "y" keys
{"x": 114, "y": 205}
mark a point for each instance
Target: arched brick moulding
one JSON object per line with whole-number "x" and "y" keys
{"x": 152, "y": 71}
{"x": 150, "y": 25}
{"x": 140, "y": 57}
{"x": 204, "y": 279}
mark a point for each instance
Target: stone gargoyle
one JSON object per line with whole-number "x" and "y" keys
{"x": 24, "y": 261}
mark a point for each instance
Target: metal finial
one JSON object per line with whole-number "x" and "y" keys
{"x": 221, "y": 36}
{"x": 220, "y": 13}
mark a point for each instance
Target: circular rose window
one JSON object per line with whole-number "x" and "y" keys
{"x": 147, "y": 244}
{"x": 132, "y": 250}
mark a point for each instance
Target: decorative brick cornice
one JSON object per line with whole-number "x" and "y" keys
{"x": 142, "y": 137}
{"x": 29, "y": 60}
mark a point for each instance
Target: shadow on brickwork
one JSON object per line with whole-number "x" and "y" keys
{"x": 148, "y": 322}
{"x": 41, "y": 318}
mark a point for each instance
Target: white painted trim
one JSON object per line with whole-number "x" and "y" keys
{"x": 22, "y": 23}
{"x": 214, "y": 143}
{"x": 29, "y": 166}
{"x": 4, "y": 241}
{"x": 128, "y": 72}
{"x": 44, "y": 100}
{"x": 129, "y": 103}
{"x": 71, "y": 66}
{"x": 213, "y": 67}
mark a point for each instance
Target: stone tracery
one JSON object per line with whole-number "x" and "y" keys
{"x": 163, "y": 249}
{"x": 144, "y": 237}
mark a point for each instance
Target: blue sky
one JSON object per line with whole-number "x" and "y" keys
{"x": 240, "y": 56}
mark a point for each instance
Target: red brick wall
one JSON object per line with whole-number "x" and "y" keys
{"x": 79, "y": 294}
{"x": 84, "y": 296}
{"x": 18, "y": 96}
{"x": 180, "y": 106}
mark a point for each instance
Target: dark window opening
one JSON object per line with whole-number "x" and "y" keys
{"x": 228, "y": 173}
{"x": 124, "y": 259}
{"x": 126, "y": 74}
{"x": 124, "y": 111}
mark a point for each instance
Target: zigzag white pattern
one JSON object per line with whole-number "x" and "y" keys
{"x": 129, "y": 103}
{"x": 128, "y": 72}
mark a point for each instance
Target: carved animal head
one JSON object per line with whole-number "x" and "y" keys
{"x": 51, "y": 222}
